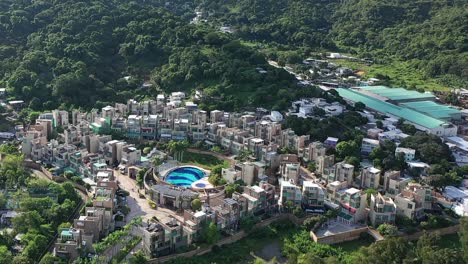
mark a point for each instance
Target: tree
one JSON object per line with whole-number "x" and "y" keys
{"x": 231, "y": 188}
{"x": 311, "y": 166}
{"x": 347, "y": 149}
{"x": 312, "y": 222}
{"x": 391, "y": 250}
{"x": 27, "y": 221}
{"x": 196, "y": 204}
{"x": 248, "y": 222}
{"x": 387, "y": 230}
{"x": 12, "y": 172}
{"x": 138, "y": 258}
{"x": 210, "y": 233}
{"x": 464, "y": 237}
{"x": 70, "y": 193}
{"x": 147, "y": 150}
{"x": 21, "y": 259}
{"x": 359, "y": 106}
{"x": 140, "y": 177}
{"x": 5, "y": 255}
{"x": 309, "y": 258}
{"x": 379, "y": 124}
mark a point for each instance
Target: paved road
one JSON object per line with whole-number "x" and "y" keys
{"x": 139, "y": 206}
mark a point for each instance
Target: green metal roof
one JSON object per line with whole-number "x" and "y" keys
{"x": 396, "y": 93}
{"x": 433, "y": 109}
{"x": 384, "y": 107}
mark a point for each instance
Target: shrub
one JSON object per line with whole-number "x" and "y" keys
{"x": 152, "y": 204}
{"x": 387, "y": 230}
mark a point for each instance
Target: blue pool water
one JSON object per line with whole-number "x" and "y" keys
{"x": 184, "y": 176}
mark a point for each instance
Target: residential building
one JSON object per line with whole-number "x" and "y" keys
{"x": 394, "y": 183}
{"x": 161, "y": 239}
{"x": 368, "y": 145}
{"x": 69, "y": 244}
{"x": 172, "y": 197}
{"x": 313, "y": 196}
{"x": 408, "y": 153}
{"x": 324, "y": 163}
{"x": 344, "y": 173}
{"x": 353, "y": 205}
{"x": 370, "y": 178}
{"x": 413, "y": 200}
{"x": 382, "y": 210}
{"x": 289, "y": 192}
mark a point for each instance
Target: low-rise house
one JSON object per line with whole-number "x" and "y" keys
{"x": 290, "y": 171}
{"x": 413, "y": 200}
{"x": 331, "y": 142}
{"x": 370, "y": 178}
{"x": 394, "y": 183}
{"x": 352, "y": 205}
{"x": 368, "y": 145}
{"x": 289, "y": 192}
{"x": 256, "y": 198}
{"x": 407, "y": 153}
{"x": 382, "y": 210}
{"x": 324, "y": 164}
{"x": 69, "y": 244}
{"x": 343, "y": 172}
{"x": 161, "y": 239}
{"x": 313, "y": 196}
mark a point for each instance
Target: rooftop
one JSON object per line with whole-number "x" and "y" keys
{"x": 387, "y": 108}
{"x": 433, "y": 109}
{"x": 396, "y": 93}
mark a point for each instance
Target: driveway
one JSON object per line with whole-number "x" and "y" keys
{"x": 139, "y": 206}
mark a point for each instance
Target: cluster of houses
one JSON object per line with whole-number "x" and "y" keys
{"x": 274, "y": 181}
{"x": 165, "y": 236}
{"x": 96, "y": 223}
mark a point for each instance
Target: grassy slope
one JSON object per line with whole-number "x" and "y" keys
{"x": 202, "y": 160}
{"x": 399, "y": 73}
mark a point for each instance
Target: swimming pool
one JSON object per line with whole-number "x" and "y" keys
{"x": 184, "y": 176}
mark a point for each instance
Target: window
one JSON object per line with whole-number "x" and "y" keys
{"x": 410, "y": 206}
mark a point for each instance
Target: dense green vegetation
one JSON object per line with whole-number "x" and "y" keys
{"x": 65, "y": 53}
{"x": 430, "y": 36}
{"x": 43, "y": 207}
{"x": 203, "y": 160}
{"x": 298, "y": 248}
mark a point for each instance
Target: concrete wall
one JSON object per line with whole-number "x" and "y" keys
{"x": 340, "y": 237}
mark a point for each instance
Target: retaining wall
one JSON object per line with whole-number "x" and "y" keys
{"x": 339, "y": 237}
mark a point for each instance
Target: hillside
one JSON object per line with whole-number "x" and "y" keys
{"x": 429, "y": 35}
{"x": 65, "y": 53}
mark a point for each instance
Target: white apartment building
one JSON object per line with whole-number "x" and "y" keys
{"x": 370, "y": 178}
{"x": 382, "y": 210}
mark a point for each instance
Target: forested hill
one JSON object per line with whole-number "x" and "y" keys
{"x": 76, "y": 52}
{"x": 432, "y": 35}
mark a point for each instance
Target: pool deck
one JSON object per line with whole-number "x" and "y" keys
{"x": 193, "y": 186}
{"x": 204, "y": 181}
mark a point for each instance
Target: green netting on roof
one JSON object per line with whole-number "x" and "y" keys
{"x": 396, "y": 93}
{"x": 433, "y": 109}
{"x": 384, "y": 107}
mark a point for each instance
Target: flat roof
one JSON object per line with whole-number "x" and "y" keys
{"x": 352, "y": 191}
{"x": 433, "y": 109}
{"x": 396, "y": 93}
{"x": 387, "y": 108}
